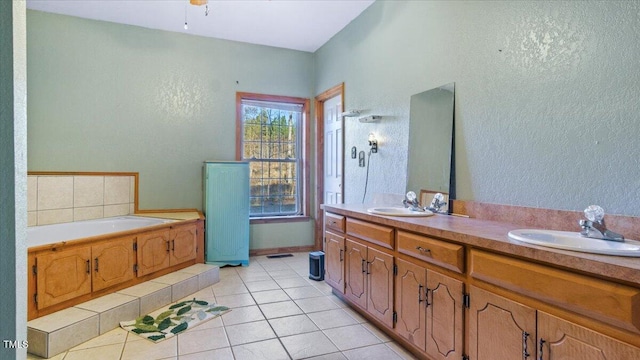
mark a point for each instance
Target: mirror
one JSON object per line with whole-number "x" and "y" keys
{"x": 429, "y": 161}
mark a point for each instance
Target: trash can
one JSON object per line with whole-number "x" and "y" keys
{"x": 316, "y": 265}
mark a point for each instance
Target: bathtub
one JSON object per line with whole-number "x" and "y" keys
{"x": 48, "y": 234}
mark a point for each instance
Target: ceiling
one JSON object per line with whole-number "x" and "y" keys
{"x": 303, "y": 25}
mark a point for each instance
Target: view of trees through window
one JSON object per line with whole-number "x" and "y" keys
{"x": 271, "y": 144}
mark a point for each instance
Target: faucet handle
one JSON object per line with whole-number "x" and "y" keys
{"x": 594, "y": 213}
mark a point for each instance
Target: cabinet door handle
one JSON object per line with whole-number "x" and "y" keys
{"x": 168, "y": 246}
{"x": 341, "y": 255}
{"x": 362, "y": 266}
{"x": 420, "y": 293}
{"x": 541, "y": 348}
{"x": 426, "y": 297}
{"x": 368, "y": 271}
{"x": 421, "y": 249}
{"x": 173, "y": 245}
{"x": 88, "y": 266}
{"x": 525, "y": 346}
{"x": 96, "y": 267}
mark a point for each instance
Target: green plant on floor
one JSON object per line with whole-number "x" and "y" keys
{"x": 176, "y": 319}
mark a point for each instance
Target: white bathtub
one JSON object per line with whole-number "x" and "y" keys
{"x": 47, "y": 234}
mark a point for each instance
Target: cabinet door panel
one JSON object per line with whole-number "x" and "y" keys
{"x": 183, "y": 244}
{"x": 355, "y": 273}
{"x": 63, "y": 275}
{"x": 334, "y": 256}
{"x": 444, "y": 316}
{"x": 153, "y": 252}
{"x": 112, "y": 262}
{"x": 499, "y": 328}
{"x": 380, "y": 286}
{"x": 410, "y": 303}
{"x": 563, "y": 340}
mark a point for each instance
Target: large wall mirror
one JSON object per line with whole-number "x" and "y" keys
{"x": 430, "y": 140}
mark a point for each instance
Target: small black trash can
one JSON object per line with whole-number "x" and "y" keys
{"x": 316, "y": 265}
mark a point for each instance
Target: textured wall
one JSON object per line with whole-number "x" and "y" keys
{"x": 109, "y": 97}
{"x": 13, "y": 179}
{"x": 547, "y": 96}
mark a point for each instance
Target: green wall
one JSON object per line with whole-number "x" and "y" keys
{"x": 547, "y": 101}
{"x": 110, "y": 97}
{"x": 13, "y": 179}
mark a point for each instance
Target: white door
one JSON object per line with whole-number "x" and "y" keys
{"x": 333, "y": 150}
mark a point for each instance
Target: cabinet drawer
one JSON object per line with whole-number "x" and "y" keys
{"x": 442, "y": 253}
{"x": 334, "y": 221}
{"x": 377, "y": 234}
{"x": 606, "y": 301}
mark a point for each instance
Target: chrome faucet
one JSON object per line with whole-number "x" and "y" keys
{"x": 411, "y": 202}
{"x": 594, "y": 226}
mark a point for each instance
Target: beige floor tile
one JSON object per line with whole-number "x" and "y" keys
{"x": 107, "y": 352}
{"x": 350, "y": 337}
{"x": 198, "y": 340}
{"x": 356, "y": 315}
{"x": 236, "y": 300}
{"x": 377, "y": 332}
{"x": 262, "y": 350}
{"x": 280, "y": 309}
{"x": 270, "y": 296}
{"x": 283, "y": 274}
{"x": 331, "y": 319}
{"x": 402, "y": 352}
{"x": 307, "y": 345}
{"x": 253, "y": 277}
{"x": 332, "y": 356}
{"x": 204, "y": 294}
{"x": 249, "y": 332}
{"x": 292, "y": 325}
{"x": 303, "y": 292}
{"x": 145, "y": 349}
{"x": 374, "y": 352}
{"x": 316, "y": 304}
{"x": 115, "y": 336}
{"x": 229, "y": 289}
{"x": 217, "y": 354}
{"x": 242, "y": 315}
{"x": 292, "y": 282}
{"x": 262, "y": 285}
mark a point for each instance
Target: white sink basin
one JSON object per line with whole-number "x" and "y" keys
{"x": 574, "y": 241}
{"x": 398, "y": 211}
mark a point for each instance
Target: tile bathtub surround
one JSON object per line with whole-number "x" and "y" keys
{"x": 53, "y": 199}
{"x": 56, "y": 333}
{"x": 268, "y": 320}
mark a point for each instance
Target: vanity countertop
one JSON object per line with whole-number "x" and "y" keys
{"x": 492, "y": 235}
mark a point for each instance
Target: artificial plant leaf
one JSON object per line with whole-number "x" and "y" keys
{"x": 156, "y": 337}
{"x": 180, "y": 328}
{"x": 180, "y": 304}
{"x": 164, "y": 315}
{"x": 165, "y": 324}
{"x": 184, "y": 310}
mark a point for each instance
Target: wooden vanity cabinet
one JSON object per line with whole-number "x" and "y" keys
{"x": 334, "y": 261}
{"x": 369, "y": 280}
{"x": 67, "y": 274}
{"x": 113, "y": 262}
{"x": 429, "y": 307}
{"x": 161, "y": 249}
{"x": 500, "y": 328}
{"x": 559, "y": 339}
{"x": 153, "y": 251}
{"x": 62, "y": 275}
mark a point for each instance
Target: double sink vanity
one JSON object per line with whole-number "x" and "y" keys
{"x": 450, "y": 287}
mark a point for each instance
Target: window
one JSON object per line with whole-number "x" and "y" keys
{"x": 272, "y": 135}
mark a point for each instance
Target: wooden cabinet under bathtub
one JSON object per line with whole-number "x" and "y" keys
{"x": 449, "y": 300}
{"x": 66, "y": 274}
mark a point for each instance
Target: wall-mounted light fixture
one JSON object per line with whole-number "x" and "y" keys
{"x": 350, "y": 113}
{"x": 373, "y": 142}
{"x": 370, "y": 118}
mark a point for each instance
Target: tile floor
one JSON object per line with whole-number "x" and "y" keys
{"x": 278, "y": 313}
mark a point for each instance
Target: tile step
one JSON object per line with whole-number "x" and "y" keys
{"x": 55, "y": 333}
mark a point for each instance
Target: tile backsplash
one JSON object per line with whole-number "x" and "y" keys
{"x": 53, "y": 199}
